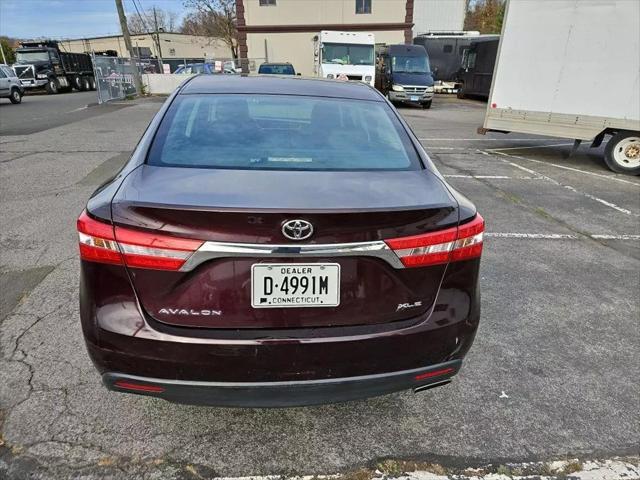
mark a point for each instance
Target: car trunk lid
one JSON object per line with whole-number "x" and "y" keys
{"x": 222, "y": 207}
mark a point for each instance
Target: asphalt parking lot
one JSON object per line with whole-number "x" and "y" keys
{"x": 553, "y": 371}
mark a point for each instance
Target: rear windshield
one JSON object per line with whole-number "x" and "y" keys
{"x": 277, "y": 69}
{"x": 283, "y": 132}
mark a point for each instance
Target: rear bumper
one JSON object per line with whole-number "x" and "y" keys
{"x": 283, "y": 394}
{"x": 275, "y": 367}
{"x": 34, "y": 83}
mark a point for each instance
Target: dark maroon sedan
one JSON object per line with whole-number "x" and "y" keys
{"x": 277, "y": 242}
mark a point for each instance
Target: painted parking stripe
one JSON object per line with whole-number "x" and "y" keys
{"x": 558, "y": 236}
{"x": 495, "y": 177}
{"x": 530, "y": 147}
{"x": 564, "y": 167}
{"x": 476, "y": 176}
{"x": 603, "y": 202}
{"x": 435, "y": 139}
{"x": 542, "y": 236}
{"x": 556, "y": 182}
{"x": 616, "y": 237}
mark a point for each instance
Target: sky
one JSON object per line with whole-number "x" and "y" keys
{"x": 70, "y": 18}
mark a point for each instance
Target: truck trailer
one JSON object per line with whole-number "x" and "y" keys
{"x": 42, "y": 64}
{"x": 571, "y": 70}
{"x": 446, "y": 51}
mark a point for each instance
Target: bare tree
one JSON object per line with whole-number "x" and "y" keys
{"x": 144, "y": 22}
{"x": 213, "y": 18}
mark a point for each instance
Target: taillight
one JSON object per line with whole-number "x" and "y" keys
{"x": 97, "y": 241}
{"x": 444, "y": 246}
{"x": 102, "y": 243}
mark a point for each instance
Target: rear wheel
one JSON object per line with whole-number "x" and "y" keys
{"x": 15, "y": 96}
{"x": 86, "y": 84}
{"x": 92, "y": 83}
{"x": 622, "y": 153}
{"x": 460, "y": 93}
{"x": 77, "y": 82}
{"x": 53, "y": 86}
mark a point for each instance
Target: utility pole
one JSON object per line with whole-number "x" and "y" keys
{"x": 4, "y": 60}
{"x": 155, "y": 21}
{"x": 137, "y": 80}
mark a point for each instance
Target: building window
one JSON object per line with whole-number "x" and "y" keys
{"x": 363, "y": 6}
{"x": 266, "y": 3}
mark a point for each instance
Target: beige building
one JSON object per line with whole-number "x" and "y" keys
{"x": 172, "y": 46}
{"x": 283, "y": 30}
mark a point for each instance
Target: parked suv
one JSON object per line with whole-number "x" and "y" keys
{"x": 10, "y": 86}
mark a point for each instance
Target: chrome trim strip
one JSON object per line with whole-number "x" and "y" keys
{"x": 215, "y": 250}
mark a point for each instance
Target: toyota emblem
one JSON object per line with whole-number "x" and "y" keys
{"x": 297, "y": 229}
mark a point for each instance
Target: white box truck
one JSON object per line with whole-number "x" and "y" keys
{"x": 345, "y": 55}
{"x": 571, "y": 69}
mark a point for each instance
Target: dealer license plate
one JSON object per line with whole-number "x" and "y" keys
{"x": 278, "y": 285}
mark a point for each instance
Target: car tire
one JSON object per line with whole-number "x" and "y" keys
{"x": 391, "y": 101}
{"x": 86, "y": 84}
{"x": 622, "y": 153}
{"x": 77, "y": 83}
{"x": 92, "y": 83}
{"x": 53, "y": 86}
{"x": 15, "y": 96}
{"x": 460, "y": 94}
{"x": 427, "y": 105}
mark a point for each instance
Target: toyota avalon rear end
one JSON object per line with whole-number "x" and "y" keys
{"x": 278, "y": 242}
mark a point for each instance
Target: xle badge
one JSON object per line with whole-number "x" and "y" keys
{"x": 404, "y": 306}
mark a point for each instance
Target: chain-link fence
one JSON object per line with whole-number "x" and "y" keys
{"x": 114, "y": 78}
{"x": 114, "y": 75}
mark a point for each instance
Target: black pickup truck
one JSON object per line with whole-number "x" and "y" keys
{"x": 44, "y": 64}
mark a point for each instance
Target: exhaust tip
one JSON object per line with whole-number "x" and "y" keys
{"x": 429, "y": 386}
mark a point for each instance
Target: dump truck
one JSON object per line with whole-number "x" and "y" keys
{"x": 42, "y": 64}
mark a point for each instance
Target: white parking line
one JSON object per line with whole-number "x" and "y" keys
{"x": 603, "y": 202}
{"x": 558, "y": 236}
{"x": 616, "y": 237}
{"x": 531, "y": 146}
{"x": 564, "y": 167}
{"x": 543, "y": 236}
{"x": 556, "y": 182}
{"x": 476, "y": 176}
{"x": 498, "y": 177}
{"x": 433, "y": 139}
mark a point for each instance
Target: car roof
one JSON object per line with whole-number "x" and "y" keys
{"x": 279, "y": 85}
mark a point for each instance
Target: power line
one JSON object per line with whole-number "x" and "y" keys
{"x": 144, "y": 23}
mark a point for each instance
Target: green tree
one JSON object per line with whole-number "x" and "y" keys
{"x": 7, "y": 48}
{"x": 485, "y": 16}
